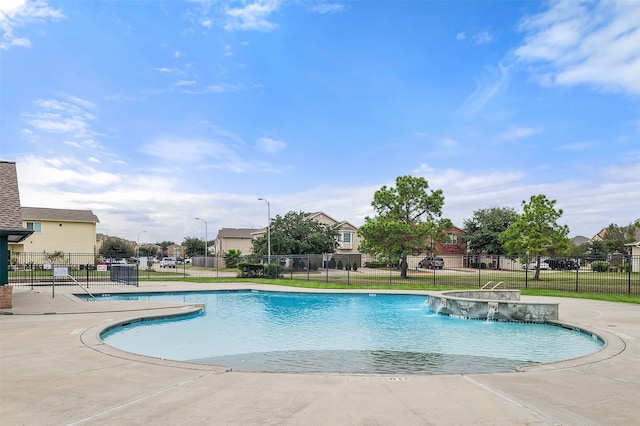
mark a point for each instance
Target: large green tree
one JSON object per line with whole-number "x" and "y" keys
{"x": 407, "y": 216}
{"x": 536, "y": 231}
{"x": 294, "y": 233}
{"x": 482, "y": 231}
{"x": 193, "y": 246}
{"x": 116, "y": 248}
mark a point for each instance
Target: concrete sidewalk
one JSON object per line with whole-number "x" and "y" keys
{"x": 54, "y": 371}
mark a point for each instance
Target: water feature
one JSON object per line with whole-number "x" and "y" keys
{"x": 342, "y": 333}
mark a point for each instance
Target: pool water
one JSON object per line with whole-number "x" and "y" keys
{"x": 341, "y": 333}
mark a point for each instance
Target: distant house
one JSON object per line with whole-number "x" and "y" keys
{"x": 58, "y": 230}
{"x": 241, "y": 238}
{"x": 452, "y": 249}
{"x": 453, "y": 243}
{"x": 175, "y": 250}
{"x": 635, "y": 256}
{"x": 233, "y": 239}
{"x": 348, "y": 239}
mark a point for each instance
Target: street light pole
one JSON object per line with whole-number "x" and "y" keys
{"x": 206, "y": 242}
{"x": 138, "y": 247}
{"x": 268, "y": 230}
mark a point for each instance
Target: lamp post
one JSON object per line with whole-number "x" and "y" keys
{"x": 206, "y": 242}
{"x": 268, "y": 230}
{"x": 138, "y": 247}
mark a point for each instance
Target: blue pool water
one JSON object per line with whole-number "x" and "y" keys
{"x": 341, "y": 333}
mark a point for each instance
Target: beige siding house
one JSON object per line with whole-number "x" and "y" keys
{"x": 64, "y": 230}
{"x": 348, "y": 239}
{"x": 241, "y": 238}
{"x": 234, "y": 238}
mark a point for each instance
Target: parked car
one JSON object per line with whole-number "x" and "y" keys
{"x": 563, "y": 263}
{"x": 168, "y": 262}
{"x": 431, "y": 263}
{"x": 534, "y": 265}
{"x": 188, "y": 261}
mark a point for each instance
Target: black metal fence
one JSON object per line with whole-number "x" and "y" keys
{"x": 616, "y": 274}
{"x": 44, "y": 269}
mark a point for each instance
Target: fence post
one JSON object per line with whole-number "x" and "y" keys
{"x": 348, "y": 268}
{"x": 577, "y": 271}
{"x": 86, "y": 267}
{"x": 630, "y": 266}
{"x": 327, "y": 265}
{"x": 526, "y": 271}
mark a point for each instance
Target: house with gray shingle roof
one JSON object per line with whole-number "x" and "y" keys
{"x": 11, "y": 228}
{"x": 233, "y": 238}
{"x": 64, "y": 230}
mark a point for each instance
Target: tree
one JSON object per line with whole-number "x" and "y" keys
{"x": 232, "y": 258}
{"x": 116, "y": 248}
{"x": 293, "y": 233}
{"x": 193, "y": 246}
{"x": 482, "y": 231}
{"x": 614, "y": 239}
{"x": 148, "y": 250}
{"x": 407, "y": 216}
{"x": 536, "y": 231}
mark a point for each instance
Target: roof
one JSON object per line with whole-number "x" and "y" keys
{"x": 236, "y": 232}
{"x": 58, "y": 215}
{"x": 10, "y": 213}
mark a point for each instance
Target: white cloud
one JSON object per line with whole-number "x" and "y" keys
{"x": 577, "y": 146}
{"x": 15, "y": 14}
{"x": 482, "y": 37}
{"x": 461, "y": 36}
{"x": 126, "y": 202}
{"x": 269, "y": 145}
{"x": 328, "y": 8}
{"x": 585, "y": 43}
{"x": 70, "y": 117}
{"x": 516, "y": 133}
{"x": 253, "y": 16}
{"x": 485, "y": 90}
{"x": 449, "y": 143}
{"x": 184, "y": 83}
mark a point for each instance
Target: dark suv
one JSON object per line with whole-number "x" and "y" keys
{"x": 431, "y": 263}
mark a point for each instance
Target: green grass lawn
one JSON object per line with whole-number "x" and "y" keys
{"x": 408, "y": 285}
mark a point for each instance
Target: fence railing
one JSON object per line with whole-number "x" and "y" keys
{"x": 616, "y": 274}
{"x": 610, "y": 274}
{"x": 43, "y": 269}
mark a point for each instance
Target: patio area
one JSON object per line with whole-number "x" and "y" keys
{"x": 50, "y": 373}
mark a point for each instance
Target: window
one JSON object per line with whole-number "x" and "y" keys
{"x": 345, "y": 239}
{"x": 34, "y": 226}
{"x": 452, "y": 238}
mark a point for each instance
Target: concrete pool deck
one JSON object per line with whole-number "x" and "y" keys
{"x": 49, "y": 376}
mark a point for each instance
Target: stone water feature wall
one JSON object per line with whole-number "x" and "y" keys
{"x": 496, "y": 305}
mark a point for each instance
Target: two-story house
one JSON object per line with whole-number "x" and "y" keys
{"x": 59, "y": 231}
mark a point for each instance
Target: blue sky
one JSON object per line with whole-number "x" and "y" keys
{"x": 152, "y": 113}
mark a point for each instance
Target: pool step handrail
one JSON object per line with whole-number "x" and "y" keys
{"x": 484, "y": 287}
{"x": 78, "y": 284}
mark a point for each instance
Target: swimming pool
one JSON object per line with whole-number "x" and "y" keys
{"x": 341, "y": 333}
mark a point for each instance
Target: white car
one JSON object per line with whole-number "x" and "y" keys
{"x": 534, "y": 265}
{"x": 168, "y": 262}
